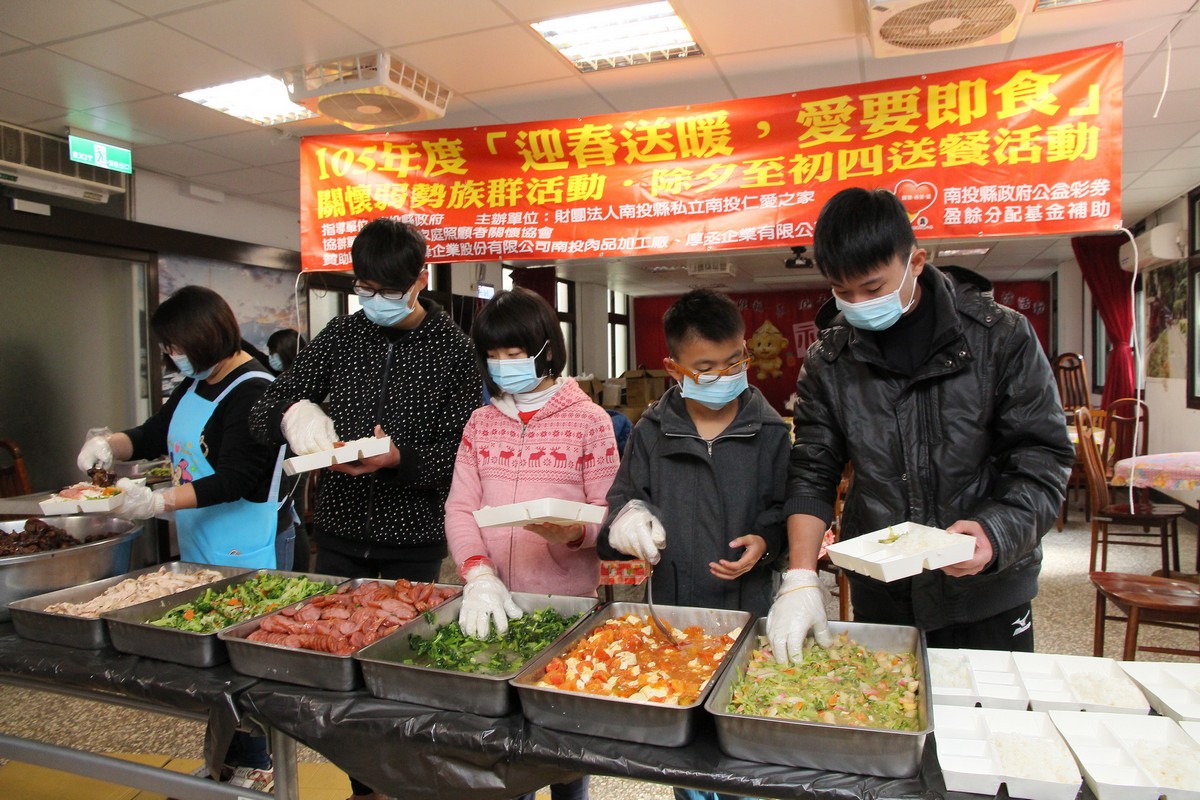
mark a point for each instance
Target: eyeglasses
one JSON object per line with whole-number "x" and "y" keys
{"x": 711, "y": 375}
{"x": 362, "y": 290}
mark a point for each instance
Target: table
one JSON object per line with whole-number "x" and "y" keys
{"x": 1179, "y": 471}
{"x": 208, "y": 695}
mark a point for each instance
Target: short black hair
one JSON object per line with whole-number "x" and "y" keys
{"x": 702, "y": 314}
{"x": 519, "y": 318}
{"x": 388, "y": 252}
{"x": 860, "y": 230}
{"x": 199, "y": 322}
{"x": 285, "y": 342}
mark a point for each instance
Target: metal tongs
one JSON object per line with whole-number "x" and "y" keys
{"x": 658, "y": 623}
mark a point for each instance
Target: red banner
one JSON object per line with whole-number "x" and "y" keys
{"x": 1014, "y": 149}
{"x": 780, "y": 326}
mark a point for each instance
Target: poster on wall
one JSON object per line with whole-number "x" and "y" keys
{"x": 781, "y": 325}
{"x": 1029, "y": 147}
{"x": 1166, "y": 293}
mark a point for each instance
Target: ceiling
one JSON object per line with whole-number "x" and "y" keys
{"x": 114, "y": 67}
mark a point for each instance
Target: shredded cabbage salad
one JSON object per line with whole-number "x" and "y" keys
{"x": 846, "y": 684}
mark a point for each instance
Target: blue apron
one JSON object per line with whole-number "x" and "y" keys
{"x": 239, "y": 533}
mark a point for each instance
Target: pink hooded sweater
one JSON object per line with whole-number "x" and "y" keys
{"x": 566, "y": 451}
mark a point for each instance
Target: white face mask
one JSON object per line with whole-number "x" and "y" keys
{"x": 879, "y": 313}
{"x": 275, "y": 362}
{"x": 516, "y": 375}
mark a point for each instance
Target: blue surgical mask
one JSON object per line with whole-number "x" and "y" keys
{"x": 185, "y": 366}
{"x": 515, "y": 375}
{"x": 879, "y": 313}
{"x": 719, "y": 393}
{"x": 275, "y": 361}
{"x": 385, "y": 312}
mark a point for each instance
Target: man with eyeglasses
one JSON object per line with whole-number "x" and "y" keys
{"x": 700, "y": 489}
{"x": 944, "y": 404}
{"x": 401, "y": 368}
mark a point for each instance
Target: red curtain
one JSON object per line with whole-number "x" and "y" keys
{"x": 540, "y": 280}
{"x": 1109, "y": 284}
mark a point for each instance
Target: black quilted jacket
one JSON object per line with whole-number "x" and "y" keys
{"x": 976, "y": 433}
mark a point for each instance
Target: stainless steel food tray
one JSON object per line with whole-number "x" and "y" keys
{"x": 32, "y": 621}
{"x": 296, "y": 665}
{"x": 37, "y": 573}
{"x": 131, "y": 631}
{"x": 835, "y": 748}
{"x": 388, "y": 677}
{"x": 615, "y": 717}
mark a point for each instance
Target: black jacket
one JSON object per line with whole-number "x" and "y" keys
{"x": 977, "y": 432}
{"x": 421, "y": 386}
{"x": 706, "y": 496}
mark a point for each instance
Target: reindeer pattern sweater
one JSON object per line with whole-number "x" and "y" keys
{"x": 566, "y": 451}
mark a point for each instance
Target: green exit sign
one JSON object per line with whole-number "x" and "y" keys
{"x": 100, "y": 154}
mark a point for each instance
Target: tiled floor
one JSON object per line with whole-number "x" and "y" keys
{"x": 1062, "y": 613}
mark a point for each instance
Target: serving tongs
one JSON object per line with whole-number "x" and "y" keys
{"x": 658, "y": 623}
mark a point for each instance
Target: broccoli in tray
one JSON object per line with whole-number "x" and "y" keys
{"x": 447, "y": 647}
{"x": 214, "y": 610}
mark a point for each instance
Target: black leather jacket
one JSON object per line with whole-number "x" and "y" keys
{"x": 977, "y": 432}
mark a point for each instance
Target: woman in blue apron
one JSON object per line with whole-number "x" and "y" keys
{"x": 225, "y": 488}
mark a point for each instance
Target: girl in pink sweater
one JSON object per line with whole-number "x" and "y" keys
{"x": 541, "y": 436}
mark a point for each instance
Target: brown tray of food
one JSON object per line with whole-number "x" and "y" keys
{"x": 836, "y": 746}
{"x": 283, "y": 646}
{"x": 38, "y": 618}
{"x": 650, "y": 716}
{"x": 132, "y": 629}
{"x": 488, "y": 694}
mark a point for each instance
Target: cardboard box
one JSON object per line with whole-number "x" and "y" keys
{"x": 644, "y": 386}
{"x": 633, "y": 412}
{"x": 592, "y": 387}
{"x": 613, "y": 393}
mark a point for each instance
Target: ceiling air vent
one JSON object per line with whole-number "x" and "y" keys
{"x": 905, "y": 27}
{"x": 39, "y": 163}
{"x": 373, "y": 90}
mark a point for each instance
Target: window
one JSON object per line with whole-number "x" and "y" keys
{"x": 564, "y": 302}
{"x": 1193, "y": 346}
{"x": 1101, "y": 347}
{"x": 618, "y": 333}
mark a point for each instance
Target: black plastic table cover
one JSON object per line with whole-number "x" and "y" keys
{"x": 210, "y": 692}
{"x": 412, "y": 751}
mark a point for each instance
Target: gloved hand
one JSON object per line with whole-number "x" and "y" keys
{"x": 307, "y": 428}
{"x": 485, "y": 599}
{"x": 95, "y": 451}
{"x": 798, "y": 608}
{"x": 637, "y": 532}
{"x": 140, "y": 501}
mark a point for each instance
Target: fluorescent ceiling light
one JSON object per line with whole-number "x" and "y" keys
{"x": 263, "y": 101}
{"x": 1044, "y": 5}
{"x": 963, "y": 251}
{"x": 620, "y": 37}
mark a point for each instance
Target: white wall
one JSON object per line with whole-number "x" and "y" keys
{"x": 591, "y": 329}
{"x": 164, "y": 201}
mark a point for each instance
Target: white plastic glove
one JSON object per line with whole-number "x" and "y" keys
{"x": 95, "y": 452}
{"x": 307, "y": 428}
{"x": 140, "y": 501}
{"x": 485, "y": 599}
{"x": 798, "y": 608}
{"x": 637, "y": 532}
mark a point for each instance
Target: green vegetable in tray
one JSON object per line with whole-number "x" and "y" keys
{"x": 846, "y": 684}
{"x": 264, "y": 593}
{"x": 449, "y": 648}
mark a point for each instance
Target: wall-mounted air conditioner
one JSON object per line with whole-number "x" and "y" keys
{"x": 40, "y": 163}
{"x": 905, "y": 27}
{"x": 1162, "y": 244}
{"x": 36, "y": 180}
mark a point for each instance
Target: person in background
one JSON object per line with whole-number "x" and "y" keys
{"x": 401, "y": 368}
{"x": 700, "y": 490}
{"x": 944, "y": 404}
{"x": 225, "y": 489}
{"x": 540, "y": 436}
{"x": 283, "y": 345}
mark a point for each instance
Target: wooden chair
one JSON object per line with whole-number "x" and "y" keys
{"x": 1164, "y": 516}
{"x": 1145, "y": 600}
{"x": 1070, "y": 374}
{"x": 14, "y": 480}
{"x": 1126, "y": 429}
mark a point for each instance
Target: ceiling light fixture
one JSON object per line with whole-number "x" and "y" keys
{"x": 1044, "y": 5}
{"x": 964, "y": 251}
{"x": 620, "y": 37}
{"x": 262, "y": 100}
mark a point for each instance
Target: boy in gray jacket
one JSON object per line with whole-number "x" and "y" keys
{"x": 702, "y": 483}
